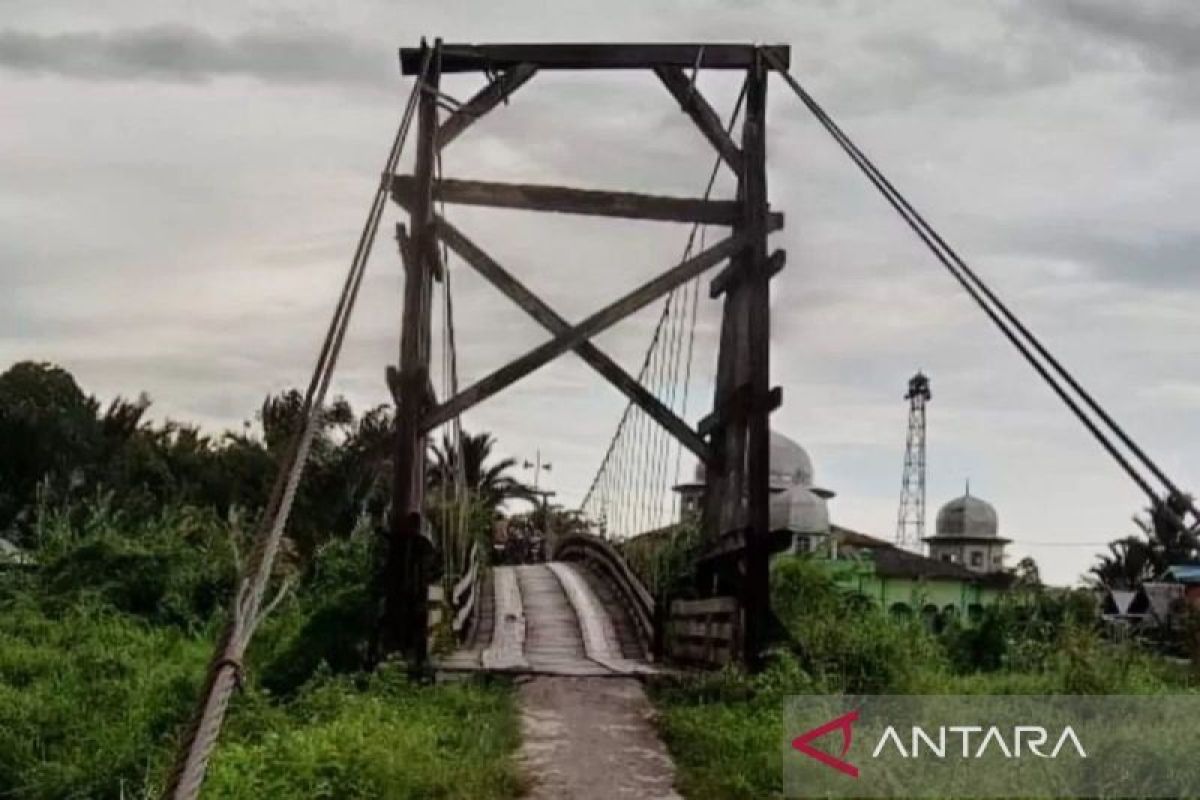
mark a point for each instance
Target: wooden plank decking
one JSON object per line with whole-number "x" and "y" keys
{"x": 547, "y": 619}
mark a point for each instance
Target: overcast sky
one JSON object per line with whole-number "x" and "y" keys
{"x": 181, "y": 186}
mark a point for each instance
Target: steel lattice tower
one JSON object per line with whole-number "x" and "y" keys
{"x": 910, "y": 521}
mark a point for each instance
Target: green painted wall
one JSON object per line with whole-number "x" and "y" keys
{"x": 917, "y": 594}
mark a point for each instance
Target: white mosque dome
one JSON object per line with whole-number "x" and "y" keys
{"x": 967, "y": 517}
{"x": 790, "y": 465}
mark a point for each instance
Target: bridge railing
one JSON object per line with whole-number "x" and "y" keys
{"x": 705, "y": 633}
{"x": 634, "y": 596}
{"x": 465, "y": 594}
{"x": 459, "y": 605}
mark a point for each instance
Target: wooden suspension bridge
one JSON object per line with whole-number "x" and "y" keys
{"x": 585, "y": 612}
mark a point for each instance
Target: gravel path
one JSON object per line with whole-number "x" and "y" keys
{"x": 592, "y": 739}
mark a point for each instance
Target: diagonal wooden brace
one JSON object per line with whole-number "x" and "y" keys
{"x": 551, "y": 321}
{"x": 487, "y": 98}
{"x": 592, "y": 326}
{"x": 706, "y": 119}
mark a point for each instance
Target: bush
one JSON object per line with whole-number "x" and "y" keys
{"x": 88, "y": 700}
{"x": 844, "y": 641}
{"x": 176, "y": 568}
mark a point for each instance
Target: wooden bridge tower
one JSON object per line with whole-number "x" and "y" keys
{"x": 732, "y": 441}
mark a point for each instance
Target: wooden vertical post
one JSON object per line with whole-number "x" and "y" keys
{"x": 737, "y": 493}
{"x": 405, "y": 600}
{"x": 757, "y": 599}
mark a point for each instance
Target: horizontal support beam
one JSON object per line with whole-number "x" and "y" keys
{"x": 496, "y": 92}
{"x": 514, "y": 290}
{"x": 695, "y": 106}
{"x": 565, "y": 200}
{"x": 486, "y": 57}
{"x": 727, "y": 277}
{"x": 592, "y": 326}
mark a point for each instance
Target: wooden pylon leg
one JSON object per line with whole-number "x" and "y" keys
{"x": 404, "y": 578}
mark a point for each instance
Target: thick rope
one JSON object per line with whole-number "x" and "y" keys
{"x": 225, "y": 671}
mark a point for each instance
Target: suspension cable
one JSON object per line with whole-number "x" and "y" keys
{"x": 696, "y": 229}
{"x": 996, "y": 310}
{"x": 225, "y": 670}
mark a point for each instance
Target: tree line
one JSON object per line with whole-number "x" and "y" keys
{"x": 60, "y": 447}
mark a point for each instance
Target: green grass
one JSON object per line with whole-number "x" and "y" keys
{"x": 725, "y": 730}
{"x": 102, "y": 650}
{"x": 376, "y": 737}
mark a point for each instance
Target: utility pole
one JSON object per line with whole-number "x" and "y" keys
{"x": 910, "y": 520}
{"x": 537, "y": 466}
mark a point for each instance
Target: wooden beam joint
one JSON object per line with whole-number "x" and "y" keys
{"x": 733, "y": 274}
{"x": 496, "y": 92}
{"x": 738, "y": 405}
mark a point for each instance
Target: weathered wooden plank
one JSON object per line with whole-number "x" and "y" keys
{"x": 711, "y": 605}
{"x": 507, "y": 650}
{"x": 570, "y": 200}
{"x": 485, "y": 100}
{"x": 474, "y": 57}
{"x": 595, "y": 324}
{"x": 701, "y": 653}
{"x": 728, "y": 276}
{"x": 551, "y": 321}
{"x": 701, "y": 113}
{"x": 703, "y": 629}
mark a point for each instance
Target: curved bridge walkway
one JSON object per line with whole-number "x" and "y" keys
{"x": 557, "y": 618}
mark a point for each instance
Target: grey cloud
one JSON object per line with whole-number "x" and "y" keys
{"x": 1159, "y": 35}
{"x": 1163, "y": 33}
{"x": 1146, "y": 258}
{"x": 188, "y": 55}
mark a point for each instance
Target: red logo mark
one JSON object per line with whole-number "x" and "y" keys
{"x": 843, "y": 723}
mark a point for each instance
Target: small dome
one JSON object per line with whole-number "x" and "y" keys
{"x": 790, "y": 464}
{"x": 968, "y": 517}
{"x": 799, "y": 510}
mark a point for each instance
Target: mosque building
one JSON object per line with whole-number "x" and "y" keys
{"x": 967, "y": 533}
{"x": 963, "y": 572}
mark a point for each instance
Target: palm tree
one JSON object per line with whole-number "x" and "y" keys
{"x": 1134, "y": 559}
{"x": 490, "y": 482}
{"x": 1129, "y": 562}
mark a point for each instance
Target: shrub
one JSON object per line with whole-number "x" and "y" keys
{"x": 176, "y": 568}
{"x": 845, "y": 642}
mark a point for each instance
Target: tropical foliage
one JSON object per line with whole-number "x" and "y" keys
{"x": 724, "y": 729}
{"x": 1130, "y": 560}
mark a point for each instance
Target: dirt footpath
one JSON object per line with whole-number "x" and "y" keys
{"x": 592, "y": 739}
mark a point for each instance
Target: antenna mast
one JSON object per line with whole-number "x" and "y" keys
{"x": 910, "y": 521}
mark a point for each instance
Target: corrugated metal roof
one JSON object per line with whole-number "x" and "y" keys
{"x": 1182, "y": 573}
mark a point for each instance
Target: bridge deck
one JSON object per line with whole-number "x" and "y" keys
{"x": 549, "y": 619}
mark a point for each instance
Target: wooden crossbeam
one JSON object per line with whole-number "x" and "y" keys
{"x": 485, "y": 100}
{"x": 706, "y": 119}
{"x": 476, "y": 58}
{"x": 592, "y": 326}
{"x": 495, "y": 274}
{"x": 566, "y": 200}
